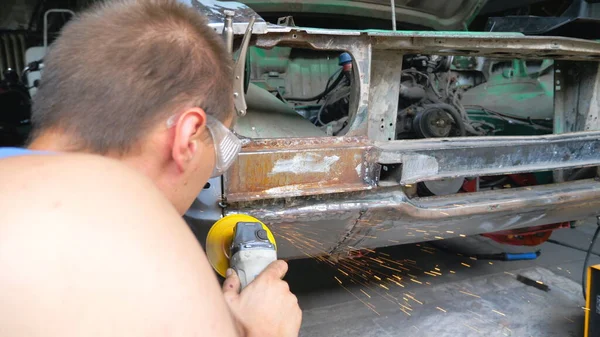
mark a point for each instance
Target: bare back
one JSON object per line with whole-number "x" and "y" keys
{"x": 91, "y": 248}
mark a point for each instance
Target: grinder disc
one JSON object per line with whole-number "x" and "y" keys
{"x": 220, "y": 236}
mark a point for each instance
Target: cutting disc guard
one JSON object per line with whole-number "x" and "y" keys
{"x": 220, "y": 236}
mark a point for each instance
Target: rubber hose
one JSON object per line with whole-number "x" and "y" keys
{"x": 455, "y": 115}
{"x": 411, "y": 92}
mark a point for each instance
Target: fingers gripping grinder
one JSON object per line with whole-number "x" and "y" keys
{"x": 243, "y": 243}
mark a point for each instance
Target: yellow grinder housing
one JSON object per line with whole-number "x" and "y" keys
{"x": 220, "y": 236}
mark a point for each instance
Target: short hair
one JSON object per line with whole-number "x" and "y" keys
{"x": 122, "y": 66}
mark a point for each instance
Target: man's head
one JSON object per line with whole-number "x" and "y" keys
{"x": 138, "y": 81}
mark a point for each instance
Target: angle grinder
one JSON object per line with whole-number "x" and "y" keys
{"x": 243, "y": 243}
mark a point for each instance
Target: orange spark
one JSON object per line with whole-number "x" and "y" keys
{"x": 467, "y": 293}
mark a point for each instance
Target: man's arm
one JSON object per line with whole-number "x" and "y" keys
{"x": 91, "y": 248}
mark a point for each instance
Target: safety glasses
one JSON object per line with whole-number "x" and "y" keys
{"x": 227, "y": 144}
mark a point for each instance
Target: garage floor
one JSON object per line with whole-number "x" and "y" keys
{"x": 469, "y": 298}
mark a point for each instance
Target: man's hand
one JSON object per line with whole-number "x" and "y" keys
{"x": 266, "y": 307}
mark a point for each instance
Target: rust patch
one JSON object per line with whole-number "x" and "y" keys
{"x": 295, "y": 167}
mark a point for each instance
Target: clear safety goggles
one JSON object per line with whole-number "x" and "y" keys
{"x": 227, "y": 144}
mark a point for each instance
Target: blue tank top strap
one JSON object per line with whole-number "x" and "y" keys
{"x": 6, "y": 152}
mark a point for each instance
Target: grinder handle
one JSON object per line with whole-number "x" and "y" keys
{"x": 248, "y": 264}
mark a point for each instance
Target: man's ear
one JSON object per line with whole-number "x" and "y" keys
{"x": 189, "y": 128}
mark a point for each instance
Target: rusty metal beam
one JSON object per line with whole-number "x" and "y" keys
{"x": 291, "y": 167}
{"x": 427, "y": 159}
{"x": 301, "y": 166}
{"x": 497, "y": 45}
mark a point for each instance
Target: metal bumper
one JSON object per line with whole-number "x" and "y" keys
{"x": 337, "y": 223}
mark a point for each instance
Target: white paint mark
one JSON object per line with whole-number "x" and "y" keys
{"x": 283, "y": 190}
{"x": 358, "y": 169}
{"x": 304, "y": 163}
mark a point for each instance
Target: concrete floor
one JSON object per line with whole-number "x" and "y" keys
{"x": 478, "y": 298}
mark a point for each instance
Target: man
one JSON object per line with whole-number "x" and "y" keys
{"x": 129, "y": 87}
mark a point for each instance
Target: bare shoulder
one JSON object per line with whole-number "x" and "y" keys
{"x": 90, "y": 247}
{"x": 77, "y": 173}
{"x": 74, "y": 192}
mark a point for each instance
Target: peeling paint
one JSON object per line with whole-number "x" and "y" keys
{"x": 304, "y": 163}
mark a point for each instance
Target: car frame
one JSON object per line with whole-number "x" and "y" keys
{"x": 334, "y": 195}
